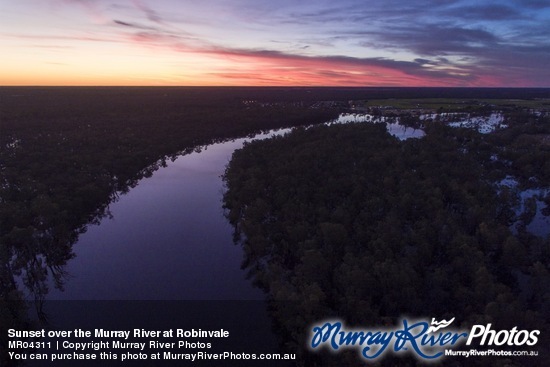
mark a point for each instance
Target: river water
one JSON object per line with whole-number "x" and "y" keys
{"x": 167, "y": 239}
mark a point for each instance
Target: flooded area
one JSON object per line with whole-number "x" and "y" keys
{"x": 531, "y": 202}
{"x": 168, "y": 237}
{"x": 393, "y": 126}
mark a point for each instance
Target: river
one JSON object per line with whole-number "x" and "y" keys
{"x": 165, "y": 260}
{"x": 167, "y": 239}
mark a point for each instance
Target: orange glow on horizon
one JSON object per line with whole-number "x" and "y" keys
{"x": 205, "y": 69}
{"x": 165, "y": 42}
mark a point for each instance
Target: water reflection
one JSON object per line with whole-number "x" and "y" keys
{"x": 167, "y": 238}
{"x": 393, "y": 124}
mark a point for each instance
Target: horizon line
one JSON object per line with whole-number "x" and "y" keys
{"x": 271, "y": 86}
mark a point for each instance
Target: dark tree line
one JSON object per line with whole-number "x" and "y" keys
{"x": 348, "y": 222}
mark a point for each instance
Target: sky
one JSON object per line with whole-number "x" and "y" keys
{"x": 447, "y": 43}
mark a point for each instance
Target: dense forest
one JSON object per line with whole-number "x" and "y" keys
{"x": 348, "y": 222}
{"x": 67, "y": 153}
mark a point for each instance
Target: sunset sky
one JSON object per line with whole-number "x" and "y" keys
{"x": 275, "y": 42}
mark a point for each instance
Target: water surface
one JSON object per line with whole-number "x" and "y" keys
{"x": 167, "y": 239}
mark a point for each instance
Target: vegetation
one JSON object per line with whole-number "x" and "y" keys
{"x": 348, "y": 222}
{"x": 458, "y": 105}
{"x": 67, "y": 153}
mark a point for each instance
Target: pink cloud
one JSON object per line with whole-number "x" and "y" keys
{"x": 279, "y": 68}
